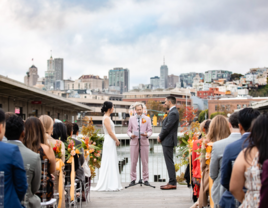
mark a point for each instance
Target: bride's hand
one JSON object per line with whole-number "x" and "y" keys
{"x": 117, "y": 143}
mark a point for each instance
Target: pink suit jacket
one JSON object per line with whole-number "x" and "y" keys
{"x": 145, "y": 127}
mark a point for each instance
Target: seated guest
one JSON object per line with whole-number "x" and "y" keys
{"x": 75, "y": 130}
{"x": 48, "y": 127}
{"x": 35, "y": 139}
{"x": 204, "y": 184}
{"x": 216, "y": 157}
{"x": 15, "y": 135}
{"x": 69, "y": 127}
{"x": 264, "y": 185}
{"x": 245, "y": 118}
{"x": 247, "y": 168}
{"x": 47, "y": 122}
{"x": 219, "y": 129}
{"x": 11, "y": 164}
{"x": 59, "y": 132}
{"x": 79, "y": 161}
{"x": 196, "y": 167}
{"x": 85, "y": 165}
{"x": 7, "y": 114}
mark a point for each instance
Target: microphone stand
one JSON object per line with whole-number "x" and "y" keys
{"x": 140, "y": 181}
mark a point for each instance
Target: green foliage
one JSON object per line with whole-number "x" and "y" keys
{"x": 201, "y": 116}
{"x": 180, "y": 178}
{"x": 235, "y": 76}
{"x": 183, "y": 149}
{"x": 217, "y": 113}
{"x": 262, "y": 91}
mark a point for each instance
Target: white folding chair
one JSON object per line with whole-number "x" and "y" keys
{"x": 43, "y": 191}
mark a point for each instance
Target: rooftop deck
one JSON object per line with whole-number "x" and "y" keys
{"x": 139, "y": 197}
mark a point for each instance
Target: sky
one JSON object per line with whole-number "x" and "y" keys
{"x": 94, "y": 36}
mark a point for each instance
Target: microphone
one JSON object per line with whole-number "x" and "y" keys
{"x": 138, "y": 117}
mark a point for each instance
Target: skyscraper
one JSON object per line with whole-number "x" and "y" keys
{"x": 54, "y": 72}
{"x": 119, "y": 77}
{"x": 155, "y": 82}
{"x": 164, "y": 76}
{"x": 31, "y": 76}
{"x": 58, "y": 64}
{"x": 105, "y": 84}
{"x": 50, "y": 75}
{"x": 173, "y": 80}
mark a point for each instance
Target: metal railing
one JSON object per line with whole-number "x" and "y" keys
{"x": 123, "y": 129}
{"x": 157, "y": 167}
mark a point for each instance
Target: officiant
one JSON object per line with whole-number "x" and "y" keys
{"x": 133, "y": 133}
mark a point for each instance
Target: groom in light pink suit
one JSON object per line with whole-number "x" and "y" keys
{"x": 146, "y": 132}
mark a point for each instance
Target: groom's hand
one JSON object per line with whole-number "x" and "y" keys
{"x": 158, "y": 139}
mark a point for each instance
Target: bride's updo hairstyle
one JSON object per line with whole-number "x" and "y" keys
{"x": 106, "y": 106}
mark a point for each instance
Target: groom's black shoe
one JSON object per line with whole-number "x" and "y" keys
{"x": 146, "y": 183}
{"x": 132, "y": 183}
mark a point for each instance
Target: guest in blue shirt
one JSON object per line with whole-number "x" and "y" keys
{"x": 245, "y": 118}
{"x": 12, "y": 164}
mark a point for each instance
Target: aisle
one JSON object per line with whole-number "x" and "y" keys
{"x": 140, "y": 197}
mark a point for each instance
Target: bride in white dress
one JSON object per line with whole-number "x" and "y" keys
{"x": 109, "y": 178}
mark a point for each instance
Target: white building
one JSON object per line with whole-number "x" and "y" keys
{"x": 242, "y": 93}
{"x": 212, "y": 75}
{"x": 197, "y": 83}
{"x": 31, "y": 76}
{"x": 250, "y": 77}
{"x": 155, "y": 82}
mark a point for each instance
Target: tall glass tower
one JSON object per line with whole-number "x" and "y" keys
{"x": 164, "y": 76}
{"x": 119, "y": 77}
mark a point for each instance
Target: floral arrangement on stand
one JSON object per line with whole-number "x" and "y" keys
{"x": 92, "y": 143}
{"x": 59, "y": 167}
{"x": 70, "y": 149}
{"x": 186, "y": 141}
{"x": 190, "y": 133}
{"x": 57, "y": 149}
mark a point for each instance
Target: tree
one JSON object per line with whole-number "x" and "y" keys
{"x": 202, "y": 116}
{"x": 189, "y": 115}
{"x": 235, "y": 76}
{"x": 217, "y": 113}
{"x": 181, "y": 112}
{"x": 155, "y": 105}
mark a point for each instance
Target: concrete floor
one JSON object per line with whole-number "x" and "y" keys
{"x": 139, "y": 197}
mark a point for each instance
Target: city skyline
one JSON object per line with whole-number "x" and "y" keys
{"x": 193, "y": 36}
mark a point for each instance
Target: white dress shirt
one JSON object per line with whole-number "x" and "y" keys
{"x": 172, "y": 107}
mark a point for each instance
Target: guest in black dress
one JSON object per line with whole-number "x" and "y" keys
{"x": 35, "y": 139}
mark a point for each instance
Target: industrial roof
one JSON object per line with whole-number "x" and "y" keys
{"x": 15, "y": 89}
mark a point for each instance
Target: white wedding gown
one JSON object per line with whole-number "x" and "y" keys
{"x": 109, "y": 178}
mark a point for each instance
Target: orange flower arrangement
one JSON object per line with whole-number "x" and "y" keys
{"x": 57, "y": 149}
{"x": 143, "y": 121}
{"x": 208, "y": 152}
{"x": 92, "y": 144}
